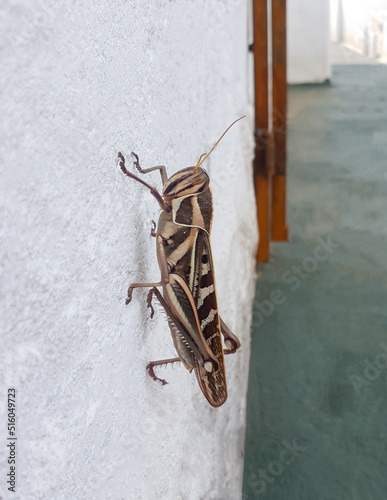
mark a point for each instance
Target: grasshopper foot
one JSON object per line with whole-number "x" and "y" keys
{"x": 136, "y": 161}
{"x": 150, "y": 368}
{"x": 149, "y": 302}
{"x": 152, "y": 374}
{"x": 122, "y": 160}
{"x": 129, "y": 297}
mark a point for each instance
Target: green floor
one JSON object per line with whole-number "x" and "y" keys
{"x": 317, "y": 399}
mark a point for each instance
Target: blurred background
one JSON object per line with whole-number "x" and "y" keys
{"x": 316, "y": 411}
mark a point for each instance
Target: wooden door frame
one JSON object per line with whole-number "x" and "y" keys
{"x": 270, "y": 124}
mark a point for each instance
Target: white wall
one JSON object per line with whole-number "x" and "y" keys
{"x": 83, "y": 80}
{"x": 308, "y": 41}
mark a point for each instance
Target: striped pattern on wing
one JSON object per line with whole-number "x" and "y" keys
{"x": 189, "y": 255}
{"x": 212, "y": 384}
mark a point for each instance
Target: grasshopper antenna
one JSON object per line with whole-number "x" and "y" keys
{"x": 204, "y": 156}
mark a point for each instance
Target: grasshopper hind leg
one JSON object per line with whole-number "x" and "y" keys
{"x": 152, "y": 364}
{"x": 205, "y": 357}
{"x": 231, "y": 340}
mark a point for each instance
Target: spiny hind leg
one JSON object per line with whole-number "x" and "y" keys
{"x": 162, "y": 169}
{"x": 203, "y": 355}
{"x": 152, "y": 364}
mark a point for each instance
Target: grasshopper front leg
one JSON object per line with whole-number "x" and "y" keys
{"x": 162, "y": 169}
{"x": 163, "y": 205}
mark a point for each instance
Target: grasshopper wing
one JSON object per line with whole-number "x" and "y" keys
{"x": 213, "y": 384}
{"x": 191, "y": 294}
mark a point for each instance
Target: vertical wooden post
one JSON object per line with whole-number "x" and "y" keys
{"x": 279, "y": 226}
{"x": 261, "y": 174}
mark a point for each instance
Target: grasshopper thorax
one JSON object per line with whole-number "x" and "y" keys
{"x": 189, "y": 181}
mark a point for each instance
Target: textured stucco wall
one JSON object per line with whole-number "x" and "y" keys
{"x": 308, "y": 32}
{"x": 83, "y": 80}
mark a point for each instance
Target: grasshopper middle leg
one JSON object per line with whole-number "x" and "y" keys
{"x": 164, "y": 272}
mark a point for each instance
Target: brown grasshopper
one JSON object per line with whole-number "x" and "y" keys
{"x": 187, "y": 276}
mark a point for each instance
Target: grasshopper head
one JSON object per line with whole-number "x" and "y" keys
{"x": 189, "y": 181}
